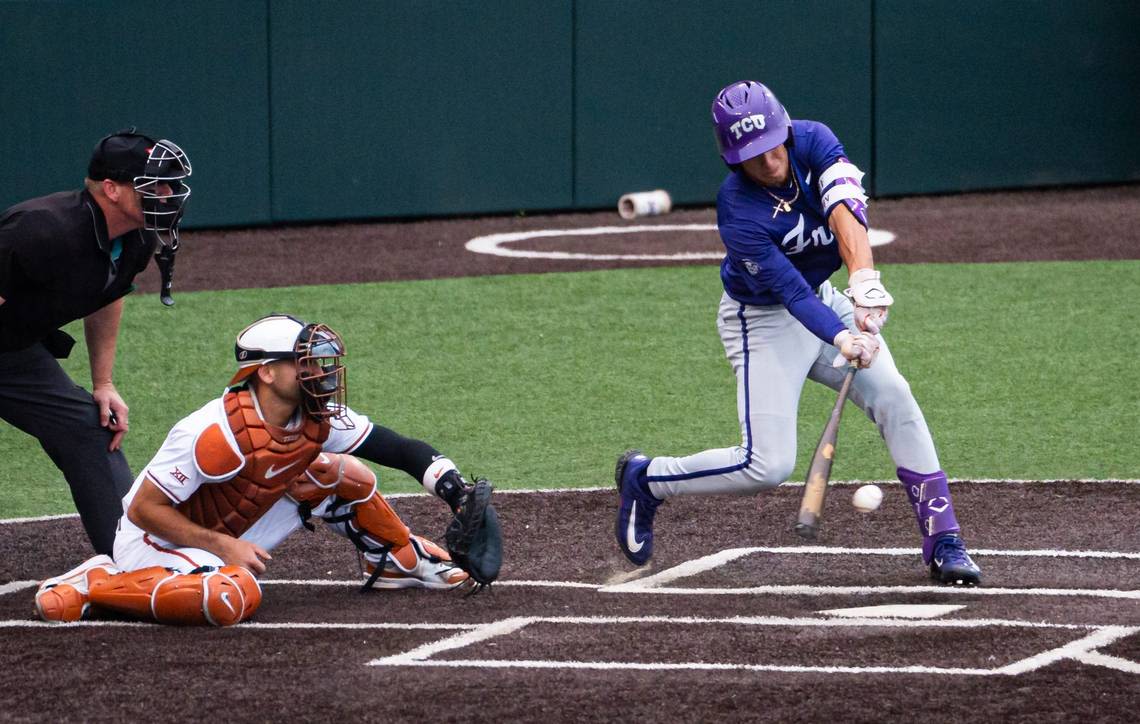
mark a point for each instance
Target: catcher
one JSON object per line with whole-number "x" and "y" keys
{"x": 233, "y": 479}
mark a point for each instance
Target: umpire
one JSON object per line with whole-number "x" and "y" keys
{"x": 73, "y": 255}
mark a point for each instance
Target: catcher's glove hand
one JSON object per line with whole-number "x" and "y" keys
{"x": 474, "y": 538}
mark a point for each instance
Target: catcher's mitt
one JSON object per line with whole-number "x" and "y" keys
{"x": 474, "y": 538}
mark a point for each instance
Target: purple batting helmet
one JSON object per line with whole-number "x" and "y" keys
{"x": 749, "y": 121}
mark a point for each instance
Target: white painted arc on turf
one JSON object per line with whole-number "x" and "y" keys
{"x": 610, "y": 488}
{"x": 493, "y": 243}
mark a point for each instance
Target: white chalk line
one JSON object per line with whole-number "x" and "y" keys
{"x": 251, "y": 625}
{"x": 493, "y": 243}
{"x": 482, "y": 633}
{"x": 800, "y": 590}
{"x": 1070, "y": 650}
{"x": 700, "y": 565}
{"x": 657, "y": 582}
{"x": 13, "y": 586}
{"x": 1096, "y": 658}
{"x": 358, "y": 582}
{"x": 695, "y": 666}
{"x": 1082, "y": 649}
{"x": 610, "y": 488}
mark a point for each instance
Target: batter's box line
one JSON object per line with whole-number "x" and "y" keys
{"x": 1083, "y": 650}
{"x": 657, "y": 582}
{"x": 571, "y": 488}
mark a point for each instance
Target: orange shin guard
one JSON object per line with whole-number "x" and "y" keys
{"x": 219, "y": 597}
{"x": 376, "y": 518}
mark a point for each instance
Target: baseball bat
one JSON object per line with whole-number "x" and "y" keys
{"x": 811, "y": 506}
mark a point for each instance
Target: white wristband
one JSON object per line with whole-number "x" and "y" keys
{"x": 435, "y": 471}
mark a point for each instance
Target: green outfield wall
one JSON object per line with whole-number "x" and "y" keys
{"x": 312, "y": 110}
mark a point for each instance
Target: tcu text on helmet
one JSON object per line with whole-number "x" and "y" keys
{"x": 748, "y": 124}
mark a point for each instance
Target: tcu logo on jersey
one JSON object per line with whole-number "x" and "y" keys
{"x": 747, "y": 125}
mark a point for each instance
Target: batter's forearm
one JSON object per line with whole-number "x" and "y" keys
{"x": 101, "y": 328}
{"x": 854, "y": 244}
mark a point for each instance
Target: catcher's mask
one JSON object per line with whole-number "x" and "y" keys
{"x": 318, "y": 352}
{"x": 149, "y": 165}
{"x": 321, "y": 372}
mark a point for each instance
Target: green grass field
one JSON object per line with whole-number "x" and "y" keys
{"x": 541, "y": 380}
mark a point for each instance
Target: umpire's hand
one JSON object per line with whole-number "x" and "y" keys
{"x": 112, "y": 412}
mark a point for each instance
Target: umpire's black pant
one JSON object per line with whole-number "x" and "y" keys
{"x": 38, "y": 397}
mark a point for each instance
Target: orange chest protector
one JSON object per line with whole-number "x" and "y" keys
{"x": 249, "y": 483}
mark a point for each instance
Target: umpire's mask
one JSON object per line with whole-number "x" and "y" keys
{"x": 167, "y": 164}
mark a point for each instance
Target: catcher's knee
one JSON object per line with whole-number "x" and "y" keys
{"x": 215, "y": 596}
{"x": 333, "y": 474}
{"x": 359, "y": 511}
{"x": 218, "y": 597}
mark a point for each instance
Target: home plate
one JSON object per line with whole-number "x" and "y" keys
{"x": 899, "y": 610}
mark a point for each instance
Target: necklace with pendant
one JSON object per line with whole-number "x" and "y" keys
{"x": 784, "y": 205}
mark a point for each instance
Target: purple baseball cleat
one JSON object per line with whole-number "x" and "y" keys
{"x": 951, "y": 564}
{"x": 634, "y": 529}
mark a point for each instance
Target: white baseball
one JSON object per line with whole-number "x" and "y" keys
{"x": 867, "y": 498}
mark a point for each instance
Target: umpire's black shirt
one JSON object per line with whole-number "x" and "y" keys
{"x": 57, "y": 265}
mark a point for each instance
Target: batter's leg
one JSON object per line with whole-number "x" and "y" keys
{"x": 886, "y": 398}
{"x": 771, "y": 353}
{"x": 38, "y": 397}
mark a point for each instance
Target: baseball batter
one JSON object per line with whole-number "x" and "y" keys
{"x": 790, "y": 212}
{"x": 235, "y": 478}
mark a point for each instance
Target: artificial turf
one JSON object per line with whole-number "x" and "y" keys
{"x": 541, "y": 380}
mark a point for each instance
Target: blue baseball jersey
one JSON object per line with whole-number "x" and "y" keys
{"x": 782, "y": 257}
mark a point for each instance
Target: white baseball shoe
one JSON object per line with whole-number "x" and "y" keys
{"x": 64, "y": 598}
{"x": 420, "y": 564}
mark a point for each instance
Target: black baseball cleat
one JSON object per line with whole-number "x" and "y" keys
{"x": 951, "y": 564}
{"x": 636, "y": 508}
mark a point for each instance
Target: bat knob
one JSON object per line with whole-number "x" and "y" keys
{"x": 807, "y": 531}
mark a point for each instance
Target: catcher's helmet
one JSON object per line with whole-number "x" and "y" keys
{"x": 318, "y": 351}
{"x": 749, "y": 121}
{"x": 134, "y": 158}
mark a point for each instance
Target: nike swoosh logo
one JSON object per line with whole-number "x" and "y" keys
{"x": 226, "y": 600}
{"x": 938, "y": 562}
{"x": 272, "y": 473}
{"x": 631, "y": 541}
